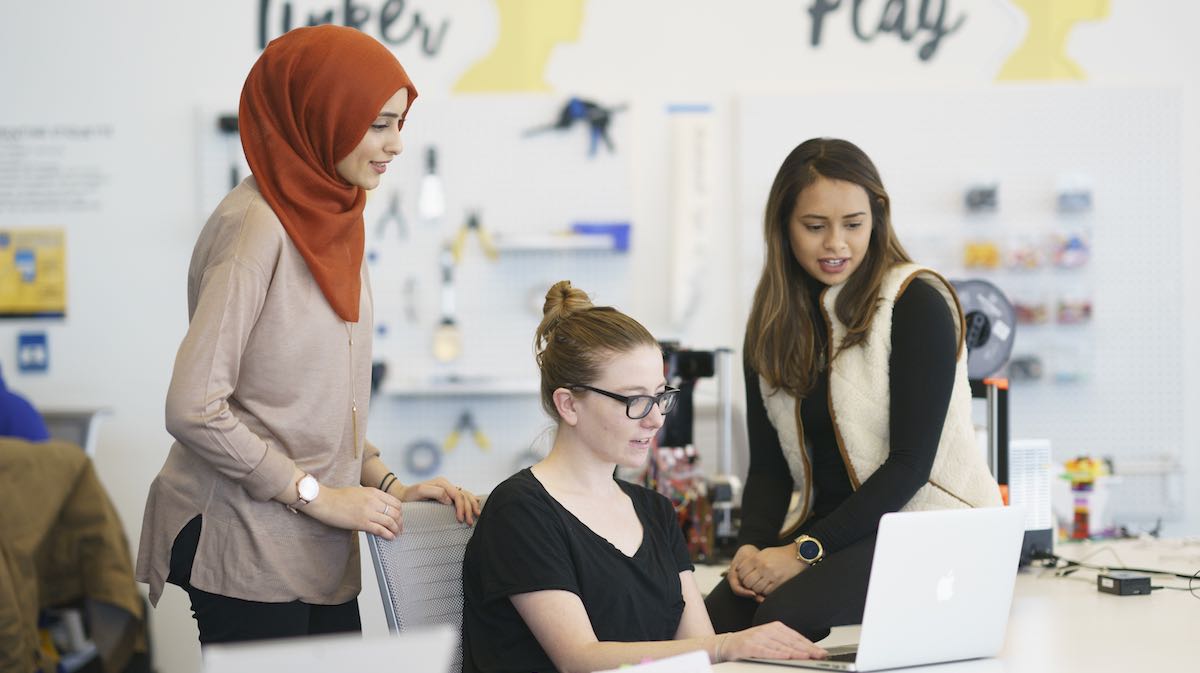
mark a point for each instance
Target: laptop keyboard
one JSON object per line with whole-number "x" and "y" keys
{"x": 844, "y": 656}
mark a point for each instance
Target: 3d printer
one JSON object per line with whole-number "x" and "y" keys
{"x": 705, "y": 504}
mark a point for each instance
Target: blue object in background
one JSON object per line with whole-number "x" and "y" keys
{"x": 33, "y": 352}
{"x": 26, "y": 262}
{"x": 596, "y": 116}
{"x": 18, "y": 418}
{"x": 617, "y": 231}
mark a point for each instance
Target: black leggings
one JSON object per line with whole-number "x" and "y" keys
{"x": 831, "y": 593}
{"x": 227, "y": 620}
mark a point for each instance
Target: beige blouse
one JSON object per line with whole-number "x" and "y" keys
{"x": 268, "y": 378}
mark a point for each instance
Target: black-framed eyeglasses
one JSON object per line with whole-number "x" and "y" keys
{"x": 638, "y": 406}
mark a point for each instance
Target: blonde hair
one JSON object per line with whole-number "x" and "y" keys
{"x": 576, "y": 339}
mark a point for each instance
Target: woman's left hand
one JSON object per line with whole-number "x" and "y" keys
{"x": 769, "y": 568}
{"x": 466, "y": 504}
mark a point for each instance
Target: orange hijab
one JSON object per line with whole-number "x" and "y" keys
{"x": 307, "y": 103}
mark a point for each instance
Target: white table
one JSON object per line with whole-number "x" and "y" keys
{"x": 1064, "y": 625}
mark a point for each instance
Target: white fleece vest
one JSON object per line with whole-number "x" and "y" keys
{"x": 860, "y": 403}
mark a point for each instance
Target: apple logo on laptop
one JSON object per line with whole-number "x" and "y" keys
{"x": 945, "y": 587}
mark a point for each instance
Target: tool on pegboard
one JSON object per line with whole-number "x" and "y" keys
{"x": 431, "y": 197}
{"x": 393, "y": 215}
{"x": 596, "y": 116}
{"x": 472, "y": 225}
{"x": 408, "y": 294}
{"x": 227, "y": 125}
{"x": 447, "y": 338}
{"x": 466, "y": 424}
{"x": 422, "y": 458}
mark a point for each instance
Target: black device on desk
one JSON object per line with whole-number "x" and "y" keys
{"x": 1123, "y": 583}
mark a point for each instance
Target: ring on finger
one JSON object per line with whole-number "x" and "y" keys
{"x": 386, "y": 508}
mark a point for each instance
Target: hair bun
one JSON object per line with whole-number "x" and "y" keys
{"x": 562, "y": 300}
{"x": 576, "y": 341}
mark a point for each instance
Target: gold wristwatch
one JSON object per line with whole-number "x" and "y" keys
{"x": 809, "y": 550}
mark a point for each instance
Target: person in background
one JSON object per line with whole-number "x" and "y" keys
{"x": 256, "y": 509}
{"x": 856, "y": 393}
{"x": 570, "y": 568}
{"x": 18, "y": 418}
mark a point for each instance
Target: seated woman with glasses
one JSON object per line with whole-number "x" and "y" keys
{"x": 570, "y": 568}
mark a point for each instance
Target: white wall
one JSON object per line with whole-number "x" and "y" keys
{"x": 147, "y": 68}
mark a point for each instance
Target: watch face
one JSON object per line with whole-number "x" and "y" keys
{"x": 809, "y": 550}
{"x": 308, "y": 488}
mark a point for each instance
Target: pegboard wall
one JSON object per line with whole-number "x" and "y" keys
{"x": 525, "y": 189}
{"x": 931, "y": 147}
{"x": 496, "y": 316}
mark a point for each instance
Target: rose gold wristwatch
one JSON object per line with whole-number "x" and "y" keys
{"x": 308, "y": 489}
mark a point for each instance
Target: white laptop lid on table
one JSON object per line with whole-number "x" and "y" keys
{"x": 940, "y": 589}
{"x": 428, "y": 650}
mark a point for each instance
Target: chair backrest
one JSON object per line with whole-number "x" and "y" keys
{"x": 420, "y": 572}
{"x": 77, "y": 426}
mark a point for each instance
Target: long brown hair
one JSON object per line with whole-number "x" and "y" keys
{"x": 781, "y": 343}
{"x": 576, "y": 339}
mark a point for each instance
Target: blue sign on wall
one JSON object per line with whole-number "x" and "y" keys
{"x": 33, "y": 352}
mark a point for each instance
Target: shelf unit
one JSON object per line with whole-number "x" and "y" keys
{"x": 566, "y": 242}
{"x": 468, "y": 387}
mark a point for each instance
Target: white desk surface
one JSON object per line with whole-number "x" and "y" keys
{"x": 1064, "y": 625}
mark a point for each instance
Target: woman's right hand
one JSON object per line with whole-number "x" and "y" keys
{"x": 768, "y": 641}
{"x": 357, "y": 508}
{"x": 743, "y": 554}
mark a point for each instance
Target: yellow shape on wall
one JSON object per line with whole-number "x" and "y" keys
{"x": 1043, "y": 53}
{"x": 529, "y": 32}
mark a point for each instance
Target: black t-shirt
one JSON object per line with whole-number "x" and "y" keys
{"x": 921, "y": 379}
{"x": 526, "y": 541}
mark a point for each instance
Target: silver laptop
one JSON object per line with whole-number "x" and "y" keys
{"x": 940, "y": 590}
{"x": 429, "y": 650}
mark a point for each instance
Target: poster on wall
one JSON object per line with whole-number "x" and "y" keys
{"x": 55, "y": 167}
{"x": 33, "y": 273}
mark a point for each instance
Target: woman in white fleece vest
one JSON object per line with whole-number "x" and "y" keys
{"x": 857, "y": 397}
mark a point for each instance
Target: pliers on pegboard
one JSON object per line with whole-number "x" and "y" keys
{"x": 485, "y": 239}
{"x": 393, "y": 214}
{"x": 466, "y": 423}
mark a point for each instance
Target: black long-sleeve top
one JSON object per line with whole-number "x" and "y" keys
{"x": 922, "y": 363}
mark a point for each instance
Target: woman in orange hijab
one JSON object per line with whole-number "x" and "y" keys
{"x": 256, "y": 509}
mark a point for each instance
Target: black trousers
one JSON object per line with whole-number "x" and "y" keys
{"x": 831, "y": 593}
{"x": 227, "y": 620}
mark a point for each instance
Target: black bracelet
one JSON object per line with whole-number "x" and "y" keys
{"x": 389, "y": 483}
{"x": 385, "y": 478}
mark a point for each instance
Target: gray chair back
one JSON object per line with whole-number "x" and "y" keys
{"x": 420, "y": 572}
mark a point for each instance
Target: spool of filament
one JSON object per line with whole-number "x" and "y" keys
{"x": 991, "y": 325}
